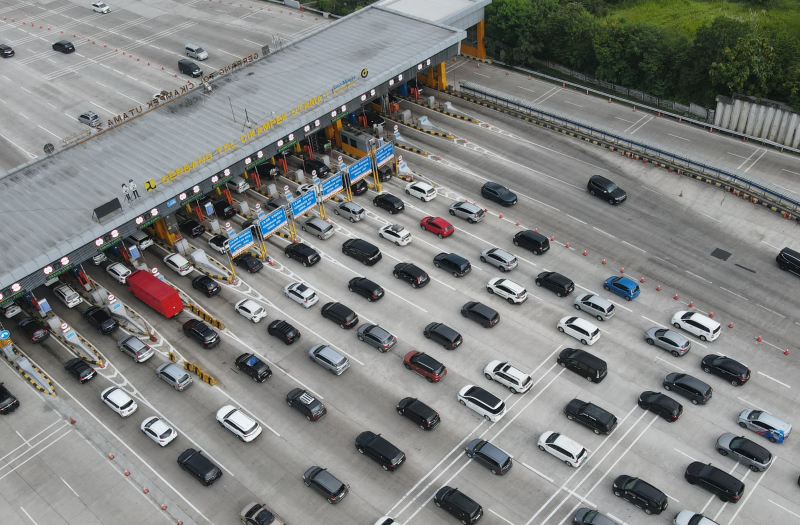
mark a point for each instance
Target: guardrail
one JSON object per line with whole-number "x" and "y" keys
{"x": 647, "y": 148}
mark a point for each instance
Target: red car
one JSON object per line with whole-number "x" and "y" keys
{"x": 425, "y": 365}
{"x": 437, "y": 225}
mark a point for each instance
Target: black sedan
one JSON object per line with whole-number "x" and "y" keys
{"x": 499, "y": 194}
{"x": 80, "y": 369}
{"x": 6, "y": 51}
{"x": 729, "y": 369}
{"x": 202, "y": 332}
{"x": 207, "y": 285}
{"x": 34, "y": 330}
{"x": 249, "y": 263}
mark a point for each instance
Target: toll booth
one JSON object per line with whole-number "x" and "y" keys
{"x": 355, "y": 143}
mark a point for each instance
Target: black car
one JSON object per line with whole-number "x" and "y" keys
{"x": 64, "y": 46}
{"x": 587, "y": 516}
{"x": 606, "y": 190}
{"x": 365, "y": 288}
{"x": 555, "y": 282}
{"x": 303, "y": 253}
{"x": 326, "y": 484}
{"x": 195, "y": 463}
{"x": 340, "y": 314}
{"x": 411, "y": 273}
{"x": 188, "y": 67}
{"x": 729, "y": 369}
{"x": 389, "y": 202}
{"x": 418, "y": 412}
{"x": 499, "y": 194}
{"x": 789, "y": 261}
{"x": 372, "y": 118}
{"x": 488, "y": 455}
{"x": 444, "y": 335}
{"x": 458, "y": 505}
{"x": 453, "y": 263}
{"x": 728, "y": 488}
{"x": 224, "y": 209}
{"x": 698, "y": 392}
{"x": 192, "y": 228}
{"x": 249, "y": 263}
{"x": 207, "y": 285}
{"x": 8, "y": 402}
{"x": 100, "y": 319}
{"x": 359, "y": 188}
{"x": 267, "y": 171}
{"x": 662, "y": 405}
{"x": 385, "y": 173}
{"x": 361, "y": 250}
{"x": 254, "y": 367}
{"x": 591, "y": 415}
{"x": 80, "y": 369}
{"x": 387, "y": 455}
{"x": 532, "y": 240}
{"x": 202, "y": 332}
{"x": 320, "y": 167}
{"x": 283, "y": 331}
{"x": 584, "y": 364}
{"x": 306, "y": 404}
{"x": 34, "y": 329}
{"x": 640, "y": 493}
{"x": 480, "y": 313}
{"x": 6, "y": 51}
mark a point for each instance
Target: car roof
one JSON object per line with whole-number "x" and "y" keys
{"x": 424, "y": 359}
{"x": 316, "y": 221}
{"x": 330, "y": 353}
{"x": 421, "y": 408}
{"x": 599, "y": 178}
{"x": 630, "y": 283}
{"x": 754, "y": 449}
{"x": 585, "y": 357}
{"x": 494, "y": 452}
{"x": 172, "y": 369}
{"x": 533, "y": 235}
{"x": 568, "y": 444}
{"x": 646, "y": 489}
{"x": 773, "y": 421}
{"x": 582, "y": 323}
{"x": 692, "y": 381}
{"x": 502, "y": 253}
{"x": 596, "y": 299}
{"x": 482, "y": 395}
{"x": 446, "y": 331}
{"x": 158, "y": 426}
{"x": 705, "y": 320}
{"x": 508, "y": 283}
{"x": 118, "y": 396}
{"x": 327, "y": 480}
{"x": 468, "y": 206}
{"x": 514, "y": 372}
{"x": 241, "y": 420}
{"x": 397, "y": 228}
{"x": 731, "y": 364}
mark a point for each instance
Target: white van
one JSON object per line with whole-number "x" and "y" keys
{"x": 197, "y": 52}
{"x": 238, "y": 185}
{"x": 141, "y": 239}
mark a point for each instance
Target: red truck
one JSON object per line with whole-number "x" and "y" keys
{"x": 159, "y": 295}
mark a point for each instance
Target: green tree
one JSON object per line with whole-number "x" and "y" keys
{"x": 746, "y": 68}
{"x": 570, "y": 31}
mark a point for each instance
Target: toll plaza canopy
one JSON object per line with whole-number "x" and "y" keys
{"x": 460, "y": 14}
{"x": 63, "y": 204}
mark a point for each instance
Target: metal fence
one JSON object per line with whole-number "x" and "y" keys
{"x": 646, "y": 148}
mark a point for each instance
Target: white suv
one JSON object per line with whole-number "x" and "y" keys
{"x": 395, "y": 233}
{"x": 697, "y": 324}
{"x": 118, "y": 272}
{"x": 562, "y": 447}
{"x": 67, "y": 295}
{"x": 583, "y": 331}
{"x": 516, "y": 380}
{"x": 301, "y": 294}
{"x": 178, "y": 263}
{"x": 251, "y": 310}
{"x": 483, "y": 402}
{"x": 119, "y": 401}
{"x": 238, "y": 422}
{"x": 508, "y": 290}
{"x": 421, "y": 190}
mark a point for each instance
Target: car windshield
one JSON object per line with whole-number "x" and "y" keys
{"x": 611, "y": 187}
{"x": 166, "y": 434}
{"x": 197, "y": 50}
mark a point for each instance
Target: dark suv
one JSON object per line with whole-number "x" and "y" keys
{"x": 34, "y": 330}
{"x": 303, "y": 253}
{"x": 361, "y": 250}
{"x": 453, "y": 263}
{"x": 640, "y": 493}
{"x": 248, "y": 262}
{"x": 729, "y": 369}
{"x": 187, "y": 67}
{"x": 499, "y": 194}
{"x": 411, "y": 273}
{"x": 201, "y": 332}
{"x": 389, "y": 202}
{"x": 8, "y": 403}
{"x": 100, "y": 319}
{"x": 443, "y": 334}
{"x": 254, "y": 367}
{"x": 458, "y": 505}
{"x": 536, "y": 242}
{"x": 365, "y": 288}
{"x": 489, "y": 456}
{"x": 326, "y": 484}
{"x": 64, "y": 46}
{"x": 590, "y": 415}
{"x": 283, "y": 331}
{"x": 606, "y": 190}
{"x": 728, "y": 488}
{"x": 208, "y": 286}
{"x": 418, "y": 412}
{"x": 306, "y": 404}
{"x": 789, "y": 260}
{"x": 698, "y": 392}
{"x": 662, "y": 405}
{"x": 320, "y": 167}
{"x": 373, "y": 445}
{"x": 555, "y": 282}
{"x": 195, "y": 463}
{"x": 480, "y": 313}
{"x": 340, "y": 314}
{"x": 192, "y": 228}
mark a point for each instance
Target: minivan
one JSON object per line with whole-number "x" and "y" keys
{"x": 488, "y": 455}
{"x": 789, "y": 260}
{"x": 534, "y": 241}
{"x": 584, "y": 364}
{"x": 141, "y": 239}
{"x": 193, "y": 51}
{"x": 698, "y": 392}
{"x": 238, "y": 184}
{"x": 188, "y": 67}
{"x": 224, "y": 209}
{"x": 480, "y": 313}
{"x": 443, "y": 334}
{"x": 134, "y": 347}
{"x": 387, "y": 455}
{"x": 719, "y": 482}
{"x": 362, "y": 250}
{"x": 640, "y": 493}
{"x": 174, "y": 376}
{"x": 319, "y": 228}
{"x": 453, "y": 263}
{"x": 697, "y": 324}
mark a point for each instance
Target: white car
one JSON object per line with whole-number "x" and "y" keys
{"x": 483, "y": 402}
{"x": 516, "y": 380}
{"x": 235, "y": 420}
{"x": 155, "y": 428}
{"x": 219, "y": 243}
{"x": 251, "y": 310}
{"x": 178, "y": 263}
{"x": 302, "y": 294}
{"x": 119, "y": 401}
{"x": 395, "y": 233}
{"x": 118, "y": 272}
{"x": 304, "y": 188}
{"x": 562, "y": 447}
{"x": 100, "y": 7}
{"x": 688, "y": 517}
{"x": 11, "y": 310}
{"x": 99, "y": 259}
{"x": 508, "y": 290}
{"x": 67, "y": 295}
{"x": 421, "y": 190}
{"x": 697, "y": 324}
{"x": 583, "y": 331}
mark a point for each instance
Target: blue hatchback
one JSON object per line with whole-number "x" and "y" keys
{"x": 622, "y": 286}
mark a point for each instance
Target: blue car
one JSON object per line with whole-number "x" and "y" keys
{"x": 622, "y": 286}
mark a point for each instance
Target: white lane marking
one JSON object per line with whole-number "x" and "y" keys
{"x": 34, "y": 445}
{"x": 571, "y": 217}
{"x": 771, "y": 311}
{"x": 574, "y": 104}
{"x": 432, "y": 495}
{"x": 37, "y": 453}
{"x": 654, "y": 191}
{"x": 654, "y": 322}
{"x": 754, "y": 162}
{"x": 548, "y": 92}
{"x": 745, "y": 158}
{"x": 248, "y": 410}
{"x": 709, "y": 216}
{"x": 751, "y": 404}
{"x": 670, "y": 364}
{"x": 632, "y": 246}
{"x": 677, "y": 137}
{"x": 27, "y": 441}
{"x": 118, "y": 71}
{"x": 537, "y": 472}
{"x": 256, "y": 43}
{"x": 499, "y": 516}
{"x": 22, "y": 88}
{"x": 584, "y": 288}
{"x": 632, "y": 125}
{"x": 50, "y": 132}
{"x": 545, "y": 98}
{"x": 664, "y": 260}
{"x": 104, "y": 109}
{"x": 102, "y": 84}
{"x": 685, "y": 454}
{"x": 481, "y": 74}
{"x": 734, "y": 293}
{"x": 22, "y": 438}
{"x": 24, "y": 115}
{"x": 532, "y": 91}
{"x": 779, "y": 506}
{"x": 231, "y": 54}
{"x": 601, "y": 231}
{"x": 769, "y": 377}
{"x": 670, "y": 497}
{"x": 619, "y": 305}
{"x": 643, "y": 125}
{"x": 29, "y": 516}
{"x": 695, "y": 275}
{"x": 771, "y": 246}
{"x": 616, "y": 519}
{"x": 126, "y": 96}
{"x": 70, "y": 488}
{"x": 623, "y": 120}
{"x": 31, "y": 155}
{"x": 747, "y": 498}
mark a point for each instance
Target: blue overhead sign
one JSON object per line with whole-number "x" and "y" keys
{"x": 360, "y": 169}
{"x": 384, "y": 154}
{"x": 303, "y": 203}
{"x": 332, "y": 186}
{"x": 273, "y": 222}
{"x": 240, "y": 242}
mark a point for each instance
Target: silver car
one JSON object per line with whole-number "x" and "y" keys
{"x": 134, "y": 347}
{"x": 467, "y": 211}
{"x": 744, "y": 451}
{"x": 376, "y": 336}
{"x": 601, "y": 309}
{"x": 765, "y": 424}
{"x": 688, "y": 517}
{"x": 328, "y": 358}
{"x": 350, "y": 210}
{"x": 319, "y": 228}
{"x": 669, "y": 340}
{"x": 174, "y": 376}
{"x": 500, "y": 258}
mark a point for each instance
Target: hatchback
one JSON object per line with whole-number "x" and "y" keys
{"x": 532, "y": 240}
{"x": 697, "y": 324}
{"x": 508, "y": 290}
{"x": 443, "y": 334}
{"x": 303, "y": 253}
{"x": 174, "y": 376}
{"x": 437, "y": 225}
{"x": 136, "y": 348}
{"x": 605, "y": 189}
{"x": 601, "y": 309}
{"x": 389, "y": 202}
{"x": 661, "y": 405}
{"x": 418, "y": 412}
{"x": 306, "y": 404}
{"x": 321, "y": 229}
{"x": 453, "y": 263}
{"x": 483, "y": 402}
{"x": 178, "y": 263}
{"x": 35, "y": 331}
{"x": 254, "y": 367}
{"x": 378, "y": 448}
{"x": 328, "y": 358}
{"x": 118, "y": 272}
{"x": 672, "y": 342}
{"x": 467, "y": 211}
{"x": 195, "y": 463}
{"x": 365, "y": 288}
{"x": 719, "y": 482}
{"x": 301, "y": 293}
{"x": 458, "y": 505}
{"x": 205, "y": 284}
{"x": 200, "y": 331}
{"x": 80, "y": 369}
{"x": 729, "y": 369}
{"x": 340, "y": 314}
{"x": 555, "y": 282}
{"x": 326, "y": 484}
{"x": 350, "y": 211}
{"x": 6, "y": 51}
{"x": 640, "y": 493}
{"x": 562, "y": 447}
{"x": 411, "y": 273}
{"x": 515, "y": 379}
{"x": 377, "y": 337}
{"x": 119, "y": 401}
{"x": 583, "y": 331}
{"x": 425, "y": 365}
{"x": 99, "y": 318}
{"x": 756, "y": 457}
{"x": 480, "y": 313}
{"x": 64, "y": 46}
{"x": 249, "y": 263}
{"x": 421, "y": 190}
{"x": 698, "y": 392}
{"x": 361, "y": 250}
{"x": 622, "y": 286}
{"x": 496, "y": 460}
{"x": 765, "y": 424}
{"x": 283, "y": 331}
{"x": 249, "y": 309}
{"x": 158, "y": 430}
{"x": 395, "y": 233}
{"x": 498, "y": 193}
{"x": 239, "y": 423}
{"x": 90, "y": 118}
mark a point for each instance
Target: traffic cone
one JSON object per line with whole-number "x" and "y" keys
{"x": 676, "y": 297}
{"x": 609, "y": 100}
{"x": 536, "y": 230}
{"x": 127, "y": 472}
{"x": 501, "y": 215}
{"x": 786, "y": 352}
{"x": 658, "y": 288}
{"x": 567, "y": 245}
{"x": 730, "y": 325}
{"x": 145, "y": 490}
{"x": 681, "y": 195}
{"x": 553, "y": 238}
{"x": 110, "y": 456}
{"x": 584, "y": 253}
{"x": 517, "y": 223}
{"x": 634, "y": 109}
{"x": 758, "y": 338}
{"x": 691, "y": 304}
{"x": 642, "y": 279}
{"x": 163, "y": 506}
{"x": 711, "y": 314}
{"x": 622, "y": 270}
{"x": 604, "y": 261}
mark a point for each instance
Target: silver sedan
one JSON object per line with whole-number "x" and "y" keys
{"x": 756, "y": 457}
{"x": 672, "y": 342}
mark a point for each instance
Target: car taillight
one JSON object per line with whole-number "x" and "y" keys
{"x": 419, "y": 280}
{"x": 374, "y": 296}
{"x": 674, "y": 417}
